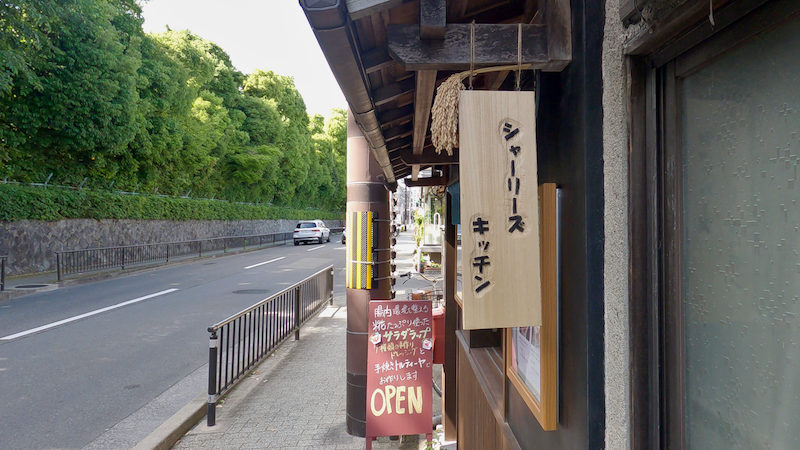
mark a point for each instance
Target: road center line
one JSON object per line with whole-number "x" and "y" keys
{"x": 265, "y": 262}
{"x": 88, "y": 314}
{"x": 315, "y": 248}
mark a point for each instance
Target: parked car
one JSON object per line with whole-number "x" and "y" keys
{"x": 344, "y": 236}
{"x": 311, "y": 231}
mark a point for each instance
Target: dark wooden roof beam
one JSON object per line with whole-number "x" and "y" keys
{"x": 432, "y": 19}
{"x": 495, "y": 45}
{"x": 397, "y": 133}
{"x": 427, "y": 158}
{"x": 386, "y": 94}
{"x": 545, "y": 46}
{"x": 423, "y": 99}
{"x": 398, "y": 144}
{"x": 430, "y": 181}
{"x": 403, "y": 172}
{"x": 362, "y": 8}
{"x": 376, "y": 59}
{"x": 395, "y": 116}
{"x": 456, "y": 9}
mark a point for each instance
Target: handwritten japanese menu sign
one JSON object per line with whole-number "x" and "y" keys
{"x": 399, "y": 368}
{"x": 499, "y": 210}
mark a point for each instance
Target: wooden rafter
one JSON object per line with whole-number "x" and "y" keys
{"x": 386, "y": 94}
{"x": 430, "y": 181}
{"x": 396, "y": 116}
{"x": 397, "y": 133}
{"x": 423, "y": 99}
{"x": 456, "y": 9}
{"x": 493, "y": 80}
{"x": 425, "y": 159}
{"x": 376, "y": 59}
{"x": 398, "y": 144}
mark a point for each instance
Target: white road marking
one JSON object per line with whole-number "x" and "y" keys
{"x": 88, "y": 314}
{"x": 315, "y": 248}
{"x": 265, "y": 262}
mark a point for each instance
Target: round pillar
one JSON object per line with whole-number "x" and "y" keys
{"x": 365, "y": 192}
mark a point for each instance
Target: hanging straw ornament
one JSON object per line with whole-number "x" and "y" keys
{"x": 444, "y": 113}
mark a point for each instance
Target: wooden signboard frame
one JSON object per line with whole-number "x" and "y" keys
{"x": 499, "y": 209}
{"x": 545, "y": 407}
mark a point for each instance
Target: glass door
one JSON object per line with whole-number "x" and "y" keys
{"x": 736, "y": 262}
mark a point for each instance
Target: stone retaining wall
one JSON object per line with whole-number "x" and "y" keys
{"x": 30, "y": 244}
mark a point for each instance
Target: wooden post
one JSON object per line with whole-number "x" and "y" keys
{"x": 451, "y": 310}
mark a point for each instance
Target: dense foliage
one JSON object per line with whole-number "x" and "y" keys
{"x": 35, "y": 203}
{"x": 86, "y": 95}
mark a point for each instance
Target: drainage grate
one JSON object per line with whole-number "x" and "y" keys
{"x": 31, "y": 286}
{"x": 251, "y": 291}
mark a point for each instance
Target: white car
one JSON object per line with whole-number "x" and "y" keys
{"x": 311, "y": 231}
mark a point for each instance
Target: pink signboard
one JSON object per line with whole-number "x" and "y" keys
{"x": 399, "y": 368}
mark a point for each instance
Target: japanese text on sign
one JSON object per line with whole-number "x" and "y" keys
{"x": 499, "y": 209}
{"x": 399, "y": 368}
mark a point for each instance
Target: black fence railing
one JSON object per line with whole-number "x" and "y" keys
{"x": 3, "y": 272}
{"x": 104, "y": 258}
{"x": 241, "y": 341}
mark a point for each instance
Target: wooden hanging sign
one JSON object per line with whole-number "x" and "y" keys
{"x": 499, "y": 210}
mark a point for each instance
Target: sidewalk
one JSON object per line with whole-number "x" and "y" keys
{"x": 296, "y": 398}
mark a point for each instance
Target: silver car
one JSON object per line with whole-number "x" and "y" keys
{"x": 311, "y": 231}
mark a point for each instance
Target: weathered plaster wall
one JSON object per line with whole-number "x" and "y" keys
{"x": 615, "y": 167}
{"x": 30, "y": 244}
{"x": 615, "y": 159}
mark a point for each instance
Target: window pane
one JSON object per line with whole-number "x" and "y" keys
{"x": 741, "y": 246}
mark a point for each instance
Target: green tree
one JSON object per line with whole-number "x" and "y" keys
{"x": 162, "y": 121}
{"x": 75, "y": 115}
{"x": 336, "y": 130}
{"x": 294, "y": 139}
{"x": 84, "y": 92}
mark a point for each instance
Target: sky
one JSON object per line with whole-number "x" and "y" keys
{"x": 257, "y": 34}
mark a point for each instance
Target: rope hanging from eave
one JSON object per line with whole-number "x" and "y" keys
{"x": 444, "y": 113}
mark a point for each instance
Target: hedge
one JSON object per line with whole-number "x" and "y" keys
{"x": 38, "y": 203}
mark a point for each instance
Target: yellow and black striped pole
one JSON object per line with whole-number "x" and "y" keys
{"x": 359, "y": 250}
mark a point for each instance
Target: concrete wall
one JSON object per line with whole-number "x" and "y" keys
{"x": 30, "y": 244}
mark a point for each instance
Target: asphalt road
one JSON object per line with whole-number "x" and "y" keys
{"x": 79, "y": 360}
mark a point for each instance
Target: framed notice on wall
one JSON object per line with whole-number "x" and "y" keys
{"x": 532, "y": 352}
{"x": 499, "y": 210}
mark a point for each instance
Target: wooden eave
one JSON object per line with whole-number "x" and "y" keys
{"x": 406, "y": 48}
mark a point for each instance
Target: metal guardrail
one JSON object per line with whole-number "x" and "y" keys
{"x": 241, "y": 341}
{"x": 3, "y": 272}
{"x": 94, "y": 259}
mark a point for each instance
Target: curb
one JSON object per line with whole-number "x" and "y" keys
{"x": 169, "y": 432}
